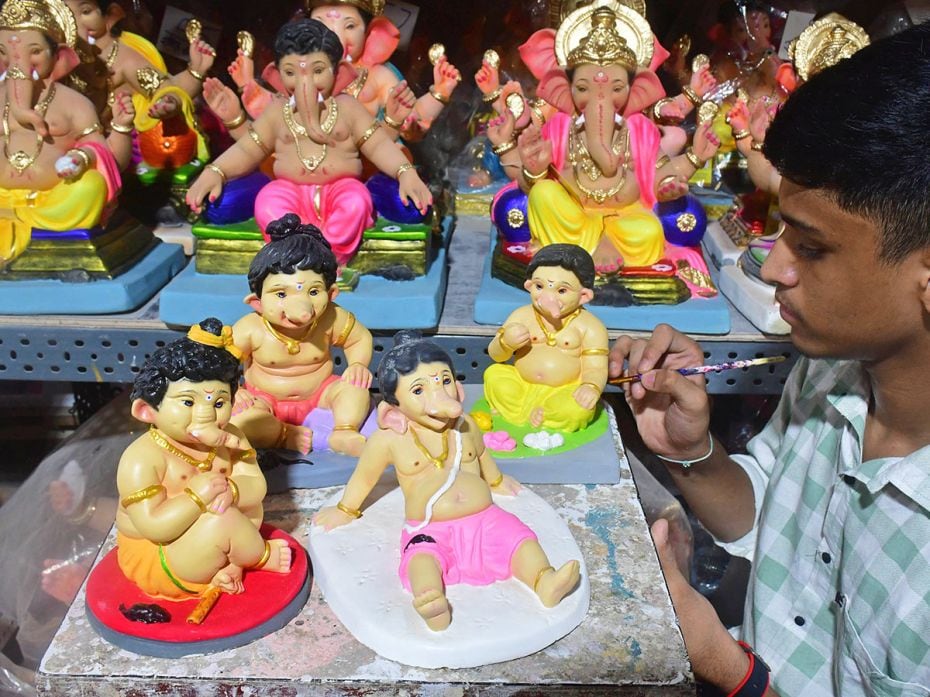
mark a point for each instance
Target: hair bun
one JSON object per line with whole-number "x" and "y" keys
{"x": 289, "y": 225}
{"x": 407, "y": 336}
{"x": 212, "y": 325}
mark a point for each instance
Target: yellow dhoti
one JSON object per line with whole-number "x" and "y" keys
{"x": 515, "y": 399}
{"x": 69, "y": 205}
{"x": 555, "y": 216}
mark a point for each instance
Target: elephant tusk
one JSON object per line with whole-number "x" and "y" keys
{"x": 618, "y": 119}
{"x": 35, "y": 74}
{"x": 319, "y": 98}
{"x": 292, "y": 101}
{"x": 579, "y": 122}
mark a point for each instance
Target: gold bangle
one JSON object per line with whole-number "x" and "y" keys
{"x": 691, "y": 95}
{"x": 236, "y": 122}
{"x": 213, "y": 168}
{"x": 504, "y": 147}
{"x": 406, "y": 167}
{"x": 141, "y": 495}
{"x": 497, "y": 482}
{"x": 354, "y": 512}
{"x": 695, "y": 161}
{"x": 740, "y": 135}
{"x": 662, "y": 161}
{"x": 257, "y": 140}
{"x": 437, "y": 95}
{"x": 540, "y": 575}
{"x": 657, "y": 108}
{"x": 83, "y": 155}
{"x": 282, "y": 437}
{"x": 503, "y": 344}
{"x": 530, "y": 177}
{"x": 235, "y": 489}
{"x": 375, "y": 125}
{"x": 345, "y": 427}
{"x": 598, "y": 351}
{"x": 197, "y": 76}
{"x": 492, "y": 96}
{"x": 14, "y": 72}
{"x": 757, "y": 145}
{"x": 592, "y": 385}
{"x": 393, "y": 123}
{"x": 125, "y": 130}
{"x": 90, "y": 129}
{"x": 196, "y": 499}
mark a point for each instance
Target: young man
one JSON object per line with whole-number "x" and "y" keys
{"x": 832, "y": 502}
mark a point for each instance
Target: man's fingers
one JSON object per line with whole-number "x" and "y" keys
{"x": 685, "y": 393}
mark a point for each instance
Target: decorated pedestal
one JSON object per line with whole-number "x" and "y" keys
{"x": 377, "y": 302}
{"x": 356, "y": 570}
{"x": 269, "y": 602}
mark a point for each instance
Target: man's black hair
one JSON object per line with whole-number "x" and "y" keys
{"x": 186, "y": 359}
{"x": 302, "y": 36}
{"x": 293, "y": 246}
{"x": 410, "y": 350}
{"x": 857, "y": 131}
{"x": 570, "y": 257}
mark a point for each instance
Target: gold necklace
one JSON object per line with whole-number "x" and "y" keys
{"x": 297, "y": 130}
{"x": 355, "y": 87}
{"x": 550, "y": 336}
{"x": 437, "y": 461}
{"x": 20, "y": 160}
{"x": 293, "y": 345}
{"x": 203, "y": 465}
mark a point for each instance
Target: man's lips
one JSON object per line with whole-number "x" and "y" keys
{"x": 785, "y": 310}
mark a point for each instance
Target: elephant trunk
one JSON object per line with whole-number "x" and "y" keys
{"x": 599, "y": 125}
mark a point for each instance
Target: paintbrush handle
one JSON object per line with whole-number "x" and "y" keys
{"x": 702, "y": 369}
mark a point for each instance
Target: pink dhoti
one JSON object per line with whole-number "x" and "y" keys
{"x": 341, "y": 209}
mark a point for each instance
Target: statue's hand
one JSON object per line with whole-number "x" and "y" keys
{"x": 221, "y": 99}
{"x": 222, "y": 502}
{"x": 671, "y": 188}
{"x": 535, "y": 151}
{"x": 124, "y": 112}
{"x": 209, "y": 183}
{"x": 703, "y": 81}
{"x": 331, "y": 517}
{"x": 738, "y": 118}
{"x": 501, "y": 128}
{"x": 357, "y": 375}
{"x": 165, "y": 107}
{"x": 243, "y": 402}
{"x": 202, "y": 56}
{"x": 242, "y": 70}
{"x": 208, "y": 486}
{"x": 412, "y": 188}
{"x": 586, "y": 396}
{"x": 508, "y": 486}
{"x": 759, "y": 119}
{"x": 400, "y": 102}
{"x": 671, "y": 110}
{"x": 487, "y": 78}
{"x": 71, "y": 165}
{"x": 705, "y": 141}
{"x": 516, "y": 335}
{"x": 445, "y": 77}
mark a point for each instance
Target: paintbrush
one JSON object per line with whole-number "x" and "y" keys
{"x": 701, "y": 369}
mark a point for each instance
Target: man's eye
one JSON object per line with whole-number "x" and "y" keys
{"x": 808, "y": 252}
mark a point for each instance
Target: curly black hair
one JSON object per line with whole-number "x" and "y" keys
{"x": 570, "y": 257}
{"x": 293, "y": 246}
{"x": 409, "y": 351}
{"x": 302, "y": 36}
{"x": 186, "y": 359}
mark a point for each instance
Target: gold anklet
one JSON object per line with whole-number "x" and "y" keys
{"x": 265, "y": 556}
{"x": 540, "y": 575}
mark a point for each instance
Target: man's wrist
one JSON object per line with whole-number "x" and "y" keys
{"x": 756, "y": 675}
{"x": 697, "y": 455}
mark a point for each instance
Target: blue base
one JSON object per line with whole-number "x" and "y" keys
{"x": 377, "y": 302}
{"x": 121, "y": 294}
{"x": 496, "y": 300}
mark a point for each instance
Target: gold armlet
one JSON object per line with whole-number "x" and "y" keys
{"x": 90, "y": 129}
{"x": 216, "y": 170}
{"x": 142, "y": 494}
{"x": 757, "y": 145}
{"x": 491, "y": 96}
{"x": 235, "y": 490}
{"x": 540, "y": 575}
{"x": 662, "y": 161}
{"x": 196, "y": 499}
{"x": 595, "y": 352}
{"x": 437, "y": 95}
{"x": 346, "y": 330}
{"x": 403, "y": 168}
{"x": 503, "y": 344}
{"x": 691, "y": 95}
{"x": 497, "y": 482}
{"x": 200, "y": 77}
{"x": 236, "y": 122}
{"x": 246, "y": 455}
{"x": 504, "y": 147}
{"x": 530, "y": 177}
{"x": 125, "y": 130}
{"x": 393, "y": 123}
{"x": 354, "y": 512}
{"x": 85, "y": 158}
{"x": 592, "y": 385}
{"x": 375, "y": 125}
{"x": 695, "y": 161}
{"x": 257, "y": 140}
{"x": 740, "y": 135}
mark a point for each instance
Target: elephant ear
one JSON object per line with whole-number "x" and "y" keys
{"x": 538, "y": 53}
{"x": 345, "y": 74}
{"x": 786, "y": 77}
{"x": 645, "y": 90}
{"x": 659, "y": 54}
{"x": 66, "y": 60}
{"x": 272, "y": 76}
{"x": 555, "y": 88}
{"x": 391, "y": 417}
{"x": 381, "y": 41}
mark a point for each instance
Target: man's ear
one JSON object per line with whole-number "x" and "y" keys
{"x": 333, "y": 292}
{"x": 390, "y": 416}
{"x": 143, "y": 411}
{"x": 254, "y": 302}
{"x": 586, "y": 296}
{"x": 925, "y": 283}
{"x": 114, "y": 13}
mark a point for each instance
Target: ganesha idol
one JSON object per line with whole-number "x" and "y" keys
{"x": 58, "y": 176}
{"x": 595, "y": 171}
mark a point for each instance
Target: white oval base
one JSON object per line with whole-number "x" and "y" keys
{"x": 355, "y": 567}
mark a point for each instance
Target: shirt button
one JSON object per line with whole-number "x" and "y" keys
{"x": 799, "y": 621}
{"x": 826, "y": 557}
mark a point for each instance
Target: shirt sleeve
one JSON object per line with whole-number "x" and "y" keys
{"x": 761, "y": 457}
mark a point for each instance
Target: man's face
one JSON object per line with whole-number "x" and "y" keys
{"x": 293, "y": 300}
{"x": 91, "y": 24}
{"x": 556, "y": 292}
{"x": 346, "y": 22}
{"x": 839, "y": 300}
{"x": 191, "y": 405}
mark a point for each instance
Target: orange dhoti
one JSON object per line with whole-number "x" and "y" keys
{"x": 146, "y": 564}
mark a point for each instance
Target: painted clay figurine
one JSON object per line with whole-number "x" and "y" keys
{"x": 559, "y": 348}
{"x": 316, "y": 138}
{"x": 58, "y": 173}
{"x": 594, "y": 172}
{"x": 190, "y": 489}
{"x": 454, "y": 532}
{"x": 286, "y": 345}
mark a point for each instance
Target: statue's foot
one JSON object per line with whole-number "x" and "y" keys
{"x": 229, "y": 579}
{"x": 434, "y": 608}
{"x": 536, "y": 417}
{"x": 279, "y": 557}
{"x": 606, "y": 258}
{"x": 299, "y": 438}
{"x": 554, "y": 585}
{"x": 347, "y": 442}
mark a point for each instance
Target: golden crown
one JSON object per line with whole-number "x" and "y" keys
{"x": 825, "y": 43}
{"x": 604, "y": 33}
{"x": 372, "y": 7}
{"x": 49, "y": 16}
{"x": 560, "y": 9}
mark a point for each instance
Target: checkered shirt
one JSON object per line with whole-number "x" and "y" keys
{"x": 839, "y": 597}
